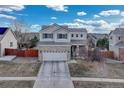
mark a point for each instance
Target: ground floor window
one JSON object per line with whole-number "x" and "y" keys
{"x": 11, "y": 44}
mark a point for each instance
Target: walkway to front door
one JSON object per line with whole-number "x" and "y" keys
{"x": 54, "y": 75}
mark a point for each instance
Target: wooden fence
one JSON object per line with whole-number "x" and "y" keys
{"x": 107, "y": 54}
{"x": 22, "y": 53}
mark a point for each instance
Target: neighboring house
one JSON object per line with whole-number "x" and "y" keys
{"x": 7, "y": 40}
{"x": 94, "y": 37}
{"x": 116, "y": 43}
{"x": 60, "y": 43}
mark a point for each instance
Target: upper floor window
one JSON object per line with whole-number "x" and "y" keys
{"x": 47, "y": 35}
{"x": 72, "y": 35}
{"x": 81, "y": 35}
{"x": 62, "y": 36}
{"x": 11, "y": 44}
{"x": 76, "y": 35}
{"x": 119, "y": 38}
{"x": 111, "y": 37}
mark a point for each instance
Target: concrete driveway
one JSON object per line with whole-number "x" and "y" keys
{"x": 54, "y": 75}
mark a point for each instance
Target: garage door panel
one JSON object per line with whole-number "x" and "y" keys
{"x": 54, "y": 56}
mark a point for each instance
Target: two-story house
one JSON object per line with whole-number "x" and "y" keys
{"x": 61, "y": 43}
{"x": 116, "y": 43}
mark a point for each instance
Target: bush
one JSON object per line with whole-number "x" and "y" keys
{"x": 103, "y": 43}
{"x": 33, "y": 42}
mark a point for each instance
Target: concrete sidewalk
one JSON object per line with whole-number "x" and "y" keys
{"x": 7, "y": 58}
{"x": 97, "y": 79}
{"x": 17, "y": 78}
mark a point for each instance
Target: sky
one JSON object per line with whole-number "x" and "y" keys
{"x": 95, "y": 18}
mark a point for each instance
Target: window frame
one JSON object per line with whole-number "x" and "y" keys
{"x": 111, "y": 37}
{"x": 11, "y": 44}
{"x": 119, "y": 38}
{"x": 76, "y": 35}
{"x": 72, "y": 35}
{"x": 62, "y": 36}
{"x": 81, "y": 35}
{"x": 47, "y": 35}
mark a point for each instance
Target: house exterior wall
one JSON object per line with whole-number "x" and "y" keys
{"x": 116, "y": 52}
{"x": 115, "y": 39}
{"x": 113, "y": 42}
{"x": 5, "y": 42}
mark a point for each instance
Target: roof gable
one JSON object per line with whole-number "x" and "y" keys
{"x": 54, "y": 27}
{"x": 77, "y": 30}
{"x": 3, "y": 31}
{"x": 117, "y": 31}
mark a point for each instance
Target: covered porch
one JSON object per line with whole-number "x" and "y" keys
{"x": 78, "y": 51}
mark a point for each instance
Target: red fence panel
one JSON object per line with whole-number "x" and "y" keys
{"x": 31, "y": 53}
{"x": 22, "y": 53}
{"x": 107, "y": 54}
{"x": 10, "y": 51}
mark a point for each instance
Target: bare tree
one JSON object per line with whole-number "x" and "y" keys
{"x": 20, "y": 28}
{"x": 94, "y": 55}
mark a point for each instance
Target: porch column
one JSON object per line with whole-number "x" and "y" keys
{"x": 73, "y": 52}
{"x": 86, "y": 46}
{"x": 68, "y": 55}
{"x": 40, "y": 55}
{"x": 77, "y": 50}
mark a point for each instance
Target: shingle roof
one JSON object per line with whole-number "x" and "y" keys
{"x": 55, "y": 27}
{"x": 77, "y": 29}
{"x": 120, "y": 44}
{"x": 118, "y": 31}
{"x": 53, "y": 43}
{"x": 98, "y": 36}
{"x": 51, "y": 28}
{"x": 46, "y": 26}
{"x": 63, "y": 43}
{"x": 2, "y": 32}
{"x": 78, "y": 42}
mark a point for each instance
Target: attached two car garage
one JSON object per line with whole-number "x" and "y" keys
{"x": 54, "y": 53}
{"x": 54, "y": 56}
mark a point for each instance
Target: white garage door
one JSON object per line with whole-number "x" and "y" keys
{"x": 54, "y": 56}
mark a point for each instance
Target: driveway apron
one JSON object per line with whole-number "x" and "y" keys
{"x": 54, "y": 75}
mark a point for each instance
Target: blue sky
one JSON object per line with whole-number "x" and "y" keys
{"x": 96, "y": 19}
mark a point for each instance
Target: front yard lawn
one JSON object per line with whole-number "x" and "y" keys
{"x": 16, "y": 84}
{"x": 10, "y": 69}
{"x": 96, "y": 70}
{"x": 87, "y": 84}
{"x": 77, "y": 70}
